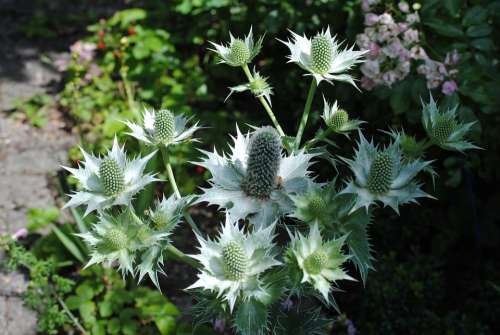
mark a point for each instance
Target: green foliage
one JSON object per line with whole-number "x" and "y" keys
{"x": 251, "y": 318}
{"x": 39, "y": 218}
{"x": 35, "y": 109}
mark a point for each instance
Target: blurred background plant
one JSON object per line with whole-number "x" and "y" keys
{"x": 436, "y": 263}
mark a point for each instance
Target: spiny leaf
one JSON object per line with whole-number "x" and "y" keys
{"x": 251, "y": 318}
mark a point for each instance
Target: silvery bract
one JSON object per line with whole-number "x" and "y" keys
{"x": 162, "y": 127}
{"x": 258, "y": 86}
{"x": 162, "y": 220}
{"x": 382, "y": 175}
{"x": 320, "y": 262}
{"x": 109, "y": 181}
{"x": 443, "y": 128}
{"x": 322, "y": 58}
{"x": 238, "y": 52}
{"x": 338, "y": 119}
{"x": 232, "y": 264}
{"x": 255, "y": 180}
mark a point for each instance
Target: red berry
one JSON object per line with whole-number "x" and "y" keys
{"x": 200, "y": 169}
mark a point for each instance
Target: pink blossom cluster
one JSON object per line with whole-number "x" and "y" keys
{"x": 394, "y": 45}
{"x": 82, "y": 53}
{"x": 441, "y": 73}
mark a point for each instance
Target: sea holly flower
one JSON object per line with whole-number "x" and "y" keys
{"x": 255, "y": 180}
{"x": 109, "y": 181}
{"x": 315, "y": 205}
{"x": 444, "y": 129}
{"x": 320, "y": 262}
{"x": 337, "y": 119}
{"x": 258, "y": 86}
{"x": 162, "y": 220}
{"x": 322, "y": 58}
{"x": 238, "y": 52}
{"x": 382, "y": 175}
{"x": 232, "y": 264}
{"x": 162, "y": 127}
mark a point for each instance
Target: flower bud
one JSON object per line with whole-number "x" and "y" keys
{"x": 235, "y": 261}
{"x": 315, "y": 262}
{"x": 442, "y": 129}
{"x": 321, "y": 53}
{"x": 337, "y": 120}
{"x": 239, "y": 53}
{"x": 381, "y": 174}
{"x": 111, "y": 177}
{"x": 164, "y": 126}
{"x": 116, "y": 239}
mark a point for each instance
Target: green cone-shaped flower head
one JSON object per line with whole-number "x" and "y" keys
{"x": 111, "y": 176}
{"x": 264, "y": 156}
{"x": 383, "y": 175}
{"x": 116, "y": 239}
{"x": 164, "y": 126}
{"x": 322, "y": 57}
{"x": 320, "y": 262}
{"x": 258, "y": 86}
{"x": 238, "y": 52}
{"x": 444, "y": 129}
{"x": 235, "y": 260}
{"x": 109, "y": 181}
{"x": 337, "y": 119}
{"x": 232, "y": 265}
{"x": 322, "y": 53}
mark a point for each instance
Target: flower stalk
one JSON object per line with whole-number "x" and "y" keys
{"x": 264, "y": 103}
{"x": 305, "y": 113}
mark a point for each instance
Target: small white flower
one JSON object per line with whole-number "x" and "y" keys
{"x": 383, "y": 175}
{"x": 109, "y": 181}
{"x": 162, "y": 127}
{"x": 232, "y": 264}
{"x": 238, "y": 52}
{"x": 258, "y": 86}
{"x": 322, "y": 58}
{"x": 337, "y": 119}
{"x": 255, "y": 180}
{"x": 320, "y": 262}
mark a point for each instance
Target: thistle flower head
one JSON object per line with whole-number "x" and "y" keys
{"x": 162, "y": 127}
{"x": 444, "y": 129}
{"x": 322, "y": 58}
{"x": 316, "y": 205}
{"x": 337, "y": 119}
{"x": 382, "y": 175}
{"x": 320, "y": 262}
{"x": 258, "y": 86}
{"x": 238, "y": 52}
{"x": 232, "y": 265}
{"x": 255, "y": 181}
{"x": 264, "y": 156}
{"x": 110, "y": 180}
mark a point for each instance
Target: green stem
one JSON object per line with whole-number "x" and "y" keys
{"x": 305, "y": 113}
{"x": 179, "y": 255}
{"x": 132, "y": 105}
{"x": 173, "y": 184}
{"x": 264, "y": 103}
{"x": 320, "y": 137}
{"x": 68, "y": 312}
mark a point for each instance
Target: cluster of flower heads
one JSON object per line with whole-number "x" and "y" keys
{"x": 258, "y": 184}
{"x": 394, "y": 42}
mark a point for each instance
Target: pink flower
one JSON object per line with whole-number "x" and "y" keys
{"x": 367, "y": 4}
{"x": 370, "y": 68}
{"x": 371, "y": 19}
{"x": 20, "y": 233}
{"x": 418, "y": 53}
{"x": 449, "y": 87}
{"x": 452, "y": 58}
{"x": 412, "y": 18}
{"x": 84, "y": 50}
{"x": 386, "y": 18}
{"x": 374, "y": 49}
{"x": 404, "y": 7}
{"x": 389, "y": 77}
{"x": 411, "y": 36}
{"x": 367, "y": 83}
{"x": 403, "y": 26}
{"x": 93, "y": 71}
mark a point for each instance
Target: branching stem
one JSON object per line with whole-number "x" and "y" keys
{"x": 305, "y": 113}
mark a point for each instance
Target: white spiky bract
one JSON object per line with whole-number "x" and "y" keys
{"x": 324, "y": 61}
{"x": 147, "y": 132}
{"x": 238, "y": 52}
{"x": 93, "y": 193}
{"x": 382, "y": 175}
{"x": 258, "y": 86}
{"x": 337, "y": 119}
{"x": 232, "y": 265}
{"x": 320, "y": 262}
{"x": 136, "y": 245}
{"x": 229, "y": 171}
{"x": 444, "y": 129}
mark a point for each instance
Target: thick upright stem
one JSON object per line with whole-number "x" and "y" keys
{"x": 264, "y": 103}
{"x": 173, "y": 184}
{"x": 305, "y": 113}
{"x": 179, "y": 255}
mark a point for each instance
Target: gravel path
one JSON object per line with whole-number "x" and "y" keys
{"x": 29, "y": 158}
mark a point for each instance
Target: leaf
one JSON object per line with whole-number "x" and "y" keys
{"x": 127, "y": 16}
{"x": 475, "y": 15}
{"x": 444, "y": 28}
{"x": 105, "y": 309}
{"x": 453, "y": 6}
{"x": 114, "y": 326}
{"x": 129, "y": 327}
{"x": 358, "y": 241}
{"x": 39, "y": 218}
{"x": 87, "y": 312}
{"x": 484, "y": 44}
{"x": 479, "y": 31}
{"x": 251, "y": 318}
{"x": 165, "y": 324}
{"x": 69, "y": 244}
